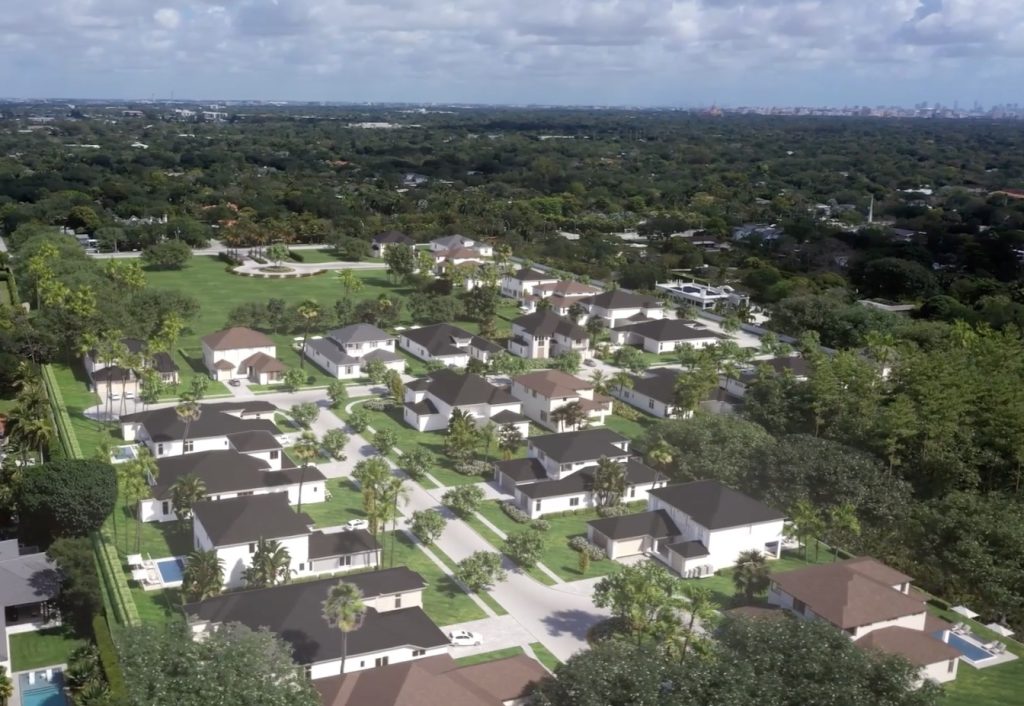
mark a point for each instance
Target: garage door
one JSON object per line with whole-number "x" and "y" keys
{"x": 627, "y": 547}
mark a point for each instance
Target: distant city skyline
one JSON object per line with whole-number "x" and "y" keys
{"x": 671, "y": 53}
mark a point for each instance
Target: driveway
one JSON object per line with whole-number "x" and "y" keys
{"x": 498, "y": 633}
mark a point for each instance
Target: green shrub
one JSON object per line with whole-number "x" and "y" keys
{"x": 296, "y": 255}
{"x": 109, "y": 660}
{"x": 514, "y": 513}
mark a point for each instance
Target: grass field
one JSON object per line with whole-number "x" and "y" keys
{"x": 544, "y": 656}
{"x": 995, "y": 686}
{"x": 159, "y": 607}
{"x": 557, "y": 555}
{"x": 630, "y": 429}
{"x": 32, "y": 650}
{"x": 443, "y": 600}
{"x": 490, "y": 656}
{"x": 346, "y": 503}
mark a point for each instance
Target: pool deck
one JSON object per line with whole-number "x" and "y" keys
{"x": 15, "y": 699}
{"x": 991, "y": 661}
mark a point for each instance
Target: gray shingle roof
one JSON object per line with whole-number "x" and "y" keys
{"x": 466, "y": 389}
{"x": 225, "y": 472}
{"x": 358, "y": 333}
{"x": 582, "y": 481}
{"x": 659, "y": 385}
{"x": 668, "y": 330}
{"x": 522, "y": 470}
{"x": 322, "y": 545}
{"x": 438, "y": 339}
{"x": 576, "y": 446}
{"x": 716, "y": 506}
{"x": 656, "y": 523}
{"x": 250, "y": 518}
{"x": 164, "y": 424}
{"x": 546, "y": 324}
{"x": 621, "y": 299}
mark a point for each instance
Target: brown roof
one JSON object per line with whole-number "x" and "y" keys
{"x": 237, "y": 337}
{"x": 433, "y": 680}
{"x": 918, "y": 647}
{"x": 844, "y": 595}
{"x": 263, "y": 363}
{"x": 224, "y": 365}
{"x": 567, "y": 287}
{"x": 553, "y": 383}
{"x": 874, "y": 569}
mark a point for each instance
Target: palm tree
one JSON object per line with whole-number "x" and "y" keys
{"x": 843, "y": 526}
{"x": 750, "y": 575}
{"x": 306, "y": 450}
{"x": 30, "y": 430}
{"x": 600, "y": 382}
{"x": 509, "y": 440}
{"x": 6, "y": 686}
{"x": 569, "y": 416}
{"x": 147, "y": 471}
{"x": 270, "y": 563}
{"x": 609, "y": 482}
{"x": 489, "y": 436}
{"x": 203, "y": 576}
{"x": 623, "y": 381}
{"x": 344, "y": 610}
{"x": 349, "y": 282}
{"x": 805, "y": 520}
{"x": 133, "y": 486}
{"x": 661, "y": 456}
{"x": 309, "y": 311}
{"x": 701, "y": 608}
{"x": 188, "y": 412}
{"x": 394, "y": 493}
{"x": 373, "y": 475}
{"x": 185, "y": 493}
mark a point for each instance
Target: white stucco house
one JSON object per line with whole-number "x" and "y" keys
{"x": 382, "y": 241}
{"x": 29, "y": 584}
{"x": 233, "y": 527}
{"x": 544, "y": 391}
{"x": 230, "y": 474}
{"x": 702, "y": 296}
{"x": 653, "y": 393}
{"x": 875, "y": 606}
{"x": 545, "y": 334}
{"x": 109, "y": 378}
{"x": 617, "y": 307}
{"x": 241, "y": 352}
{"x": 449, "y": 243}
{"x": 560, "y": 296}
{"x": 665, "y": 335}
{"x": 521, "y": 283}
{"x": 696, "y": 528}
{"x": 558, "y": 471}
{"x": 430, "y": 401}
{"x": 395, "y": 629}
{"x": 238, "y": 425}
{"x": 448, "y": 344}
{"x": 344, "y": 353}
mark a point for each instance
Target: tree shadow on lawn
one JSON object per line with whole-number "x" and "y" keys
{"x": 195, "y": 363}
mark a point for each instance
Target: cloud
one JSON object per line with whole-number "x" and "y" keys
{"x": 528, "y": 49}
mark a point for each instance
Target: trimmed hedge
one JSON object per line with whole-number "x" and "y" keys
{"x": 580, "y": 543}
{"x": 225, "y": 257}
{"x": 61, "y": 420}
{"x": 125, "y": 610}
{"x": 296, "y": 255}
{"x": 514, "y": 513}
{"x": 108, "y": 658}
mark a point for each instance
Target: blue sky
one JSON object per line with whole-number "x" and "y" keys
{"x": 609, "y": 52}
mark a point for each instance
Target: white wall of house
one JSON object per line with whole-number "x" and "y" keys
{"x": 415, "y": 349}
{"x": 941, "y": 672}
{"x": 732, "y": 386}
{"x": 576, "y": 501}
{"x": 394, "y": 601}
{"x": 163, "y": 449}
{"x": 238, "y": 557}
{"x": 558, "y": 471}
{"x": 643, "y": 402}
{"x": 349, "y": 562}
{"x": 234, "y": 356}
{"x": 356, "y": 663}
{"x": 161, "y": 510}
{"x": 619, "y": 548}
{"x": 617, "y": 317}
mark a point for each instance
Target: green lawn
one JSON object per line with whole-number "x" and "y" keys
{"x": 158, "y": 607}
{"x": 557, "y": 555}
{"x": 628, "y": 428}
{"x": 44, "y": 648}
{"x": 490, "y": 656}
{"x": 443, "y": 600}
{"x": 156, "y": 539}
{"x": 441, "y": 467}
{"x": 316, "y": 256}
{"x": 994, "y": 686}
{"x": 544, "y": 656}
{"x": 496, "y": 542}
{"x": 346, "y": 503}
{"x": 77, "y": 399}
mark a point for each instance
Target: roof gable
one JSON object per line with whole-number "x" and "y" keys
{"x": 237, "y": 337}
{"x": 716, "y": 506}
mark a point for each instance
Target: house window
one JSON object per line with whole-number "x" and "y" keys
{"x": 543, "y": 416}
{"x": 302, "y": 566}
{"x": 275, "y": 454}
{"x": 348, "y": 369}
{"x": 362, "y": 663}
{"x": 951, "y": 667}
{"x": 632, "y": 491}
{"x": 159, "y": 449}
{"x": 418, "y": 653}
{"x": 189, "y": 446}
{"x": 166, "y": 507}
{"x": 398, "y": 601}
{"x": 536, "y": 506}
{"x": 252, "y": 547}
{"x": 245, "y": 493}
{"x": 573, "y": 502}
{"x": 799, "y": 606}
{"x": 308, "y": 671}
{"x": 345, "y": 560}
{"x": 381, "y": 661}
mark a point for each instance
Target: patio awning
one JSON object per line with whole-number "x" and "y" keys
{"x": 134, "y": 560}
{"x": 1001, "y": 629}
{"x": 964, "y": 611}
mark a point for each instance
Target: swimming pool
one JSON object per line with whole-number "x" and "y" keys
{"x": 42, "y": 692}
{"x": 171, "y": 570}
{"x": 972, "y": 652}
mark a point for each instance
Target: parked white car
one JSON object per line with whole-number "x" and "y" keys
{"x": 357, "y": 524}
{"x": 465, "y": 638}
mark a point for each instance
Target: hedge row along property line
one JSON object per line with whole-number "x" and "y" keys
{"x": 62, "y": 422}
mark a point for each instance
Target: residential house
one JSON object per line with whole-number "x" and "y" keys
{"x": 395, "y": 629}
{"x": 233, "y": 527}
{"x": 345, "y": 352}
{"x": 874, "y": 605}
{"x": 558, "y": 471}
{"x": 382, "y": 241}
{"x": 697, "y": 528}
{"x": 29, "y": 583}
{"x": 430, "y": 402}
{"x": 448, "y": 344}
{"x": 240, "y": 352}
{"x": 617, "y": 307}
{"x": 521, "y": 283}
{"x": 702, "y": 296}
{"x": 761, "y": 231}
{"x": 229, "y": 474}
{"x": 107, "y": 378}
{"x": 653, "y": 393}
{"x": 501, "y": 682}
{"x": 460, "y": 242}
{"x": 219, "y": 426}
{"x": 545, "y": 334}
{"x": 665, "y": 335}
{"x": 560, "y": 296}
{"x": 544, "y": 391}
{"x": 799, "y": 368}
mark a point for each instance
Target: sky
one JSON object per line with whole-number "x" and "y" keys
{"x": 584, "y": 52}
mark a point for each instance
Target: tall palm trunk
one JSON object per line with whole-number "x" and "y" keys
{"x": 184, "y": 437}
{"x": 344, "y": 649}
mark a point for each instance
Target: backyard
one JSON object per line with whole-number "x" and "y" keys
{"x": 44, "y": 648}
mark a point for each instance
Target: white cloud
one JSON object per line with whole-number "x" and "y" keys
{"x": 367, "y": 46}
{"x": 167, "y": 17}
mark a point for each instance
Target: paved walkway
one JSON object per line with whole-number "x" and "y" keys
{"x": 498, "y": 633}
{"x": 251, "y": 267}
